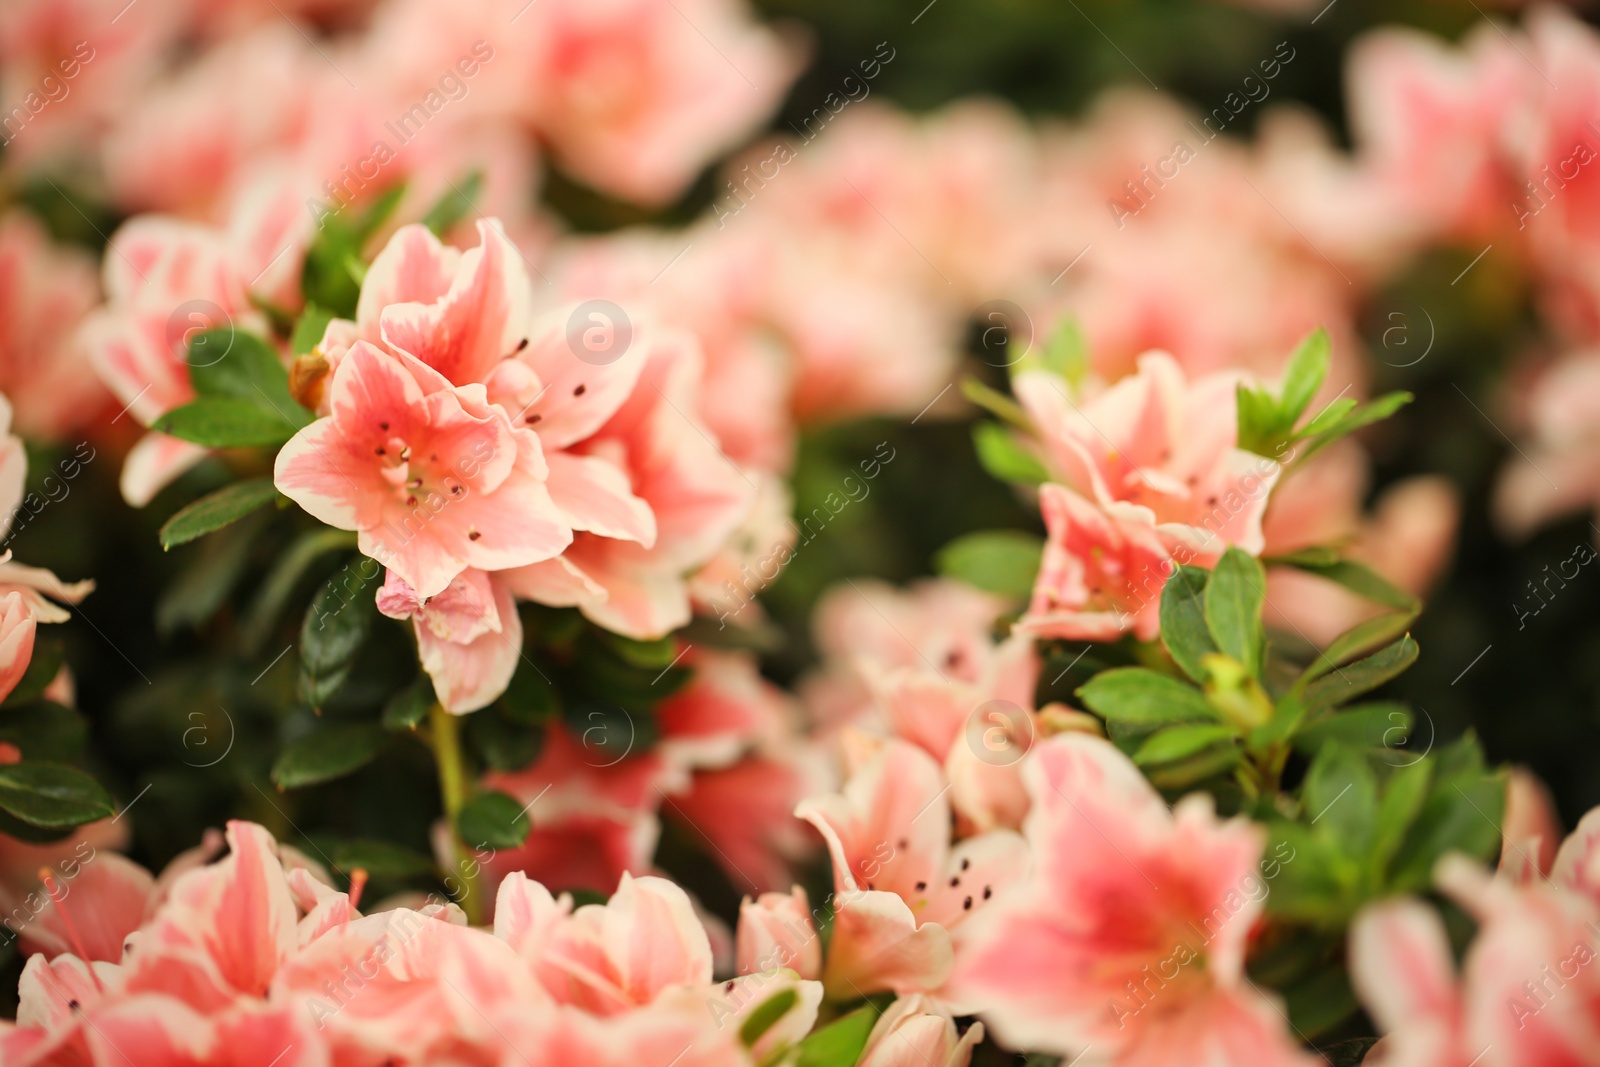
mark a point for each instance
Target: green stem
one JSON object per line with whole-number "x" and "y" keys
{"x": 453, "y": 786}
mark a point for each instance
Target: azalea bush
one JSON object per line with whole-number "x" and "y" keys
{"x": 675, "y": 534}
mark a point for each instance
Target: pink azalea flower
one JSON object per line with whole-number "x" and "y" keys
{"x": 1402, "y": 968}
{"x": 634, "y": 98}
{"x": 45, "y": 292}
{"x": 903, "y": 895}
{"x": 469, "y": 637}
{"x": 1416, "y": 102}
{"x": 1160, "y": 442}
{"x": 697, "y": 495}
{"x": 1127, "y": 942}
{"x": 1531, "y": 829}
{"x": 606, "y": 958}
{"x": 913, "y": 1030}
{"x": 433, "y": 478}
{"x": 1103, "y": 569}
{"x": 164, "y": 281}
{"x": 867, "y": 627}
{"x": 776, "y": 931}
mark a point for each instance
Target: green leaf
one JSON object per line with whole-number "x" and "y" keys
{"x": 493, "y": 820}
{"x": 1463, "y": 813}
{"x": 1004, "y": 457}
{"x": 1314, "y": 880}
{"x": 1233, "y": 608}
{"x": 1378, "y": 726}
{"x": 1180, "y": 742}
{"x": 309, "y": 329}
{"x": 281, "y": 580}
{"x": 1183, "y": 622}
{"x": 52, "y": 796}
{"x": 331, "y": 752}
{"x": 1403, "y": 797}
{"x": 454, "y": 205}
{"x": 380, "y": 859}
{"x": 407, "y": 708}
{"x": 1331, "y": 414}
{"x": 1354, "y": 576}
{"x": 1308, "y": 368}
{"x": 1348, "y": 422}
{"x": 1004, "y": 562}
{"x": 336, "y": 625}
{"x": 1359, "y": 640}
{"x": 226, "y": 422}
{"x": 42, "y": 669}
{"x": 1191, "y": 770}
{"x": 766, "y": 1015}
{"x": 1347, "y": 683}
{"x": 1259, "y": 426}
{"x": 840, "y": 1043}
{"x": 1138, "y": 696}
{"x": 1340, "y": 798}
{"x": 227, "y": 505}
{"x": 232, "y": 363}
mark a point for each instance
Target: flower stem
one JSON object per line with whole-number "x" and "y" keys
{"x": 443, "y": 731}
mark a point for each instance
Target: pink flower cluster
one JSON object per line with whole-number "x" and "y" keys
{"x": 480, "y": 457}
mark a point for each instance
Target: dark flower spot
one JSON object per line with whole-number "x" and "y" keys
{"x": 955, "y": 881}
{"x": 921, "y": 886}
{"x": 988, "y": 891}
{"x": 473, "y": 535}
{"x": 580, "y": 390}
{"x": 521, "y": 345}
{"x": 73, "y": 1004}
{"x": 1211, "y": 501}
{"x": 965, "y": 863}
{"x": 383, "y": 425}
{"x": 380, "y": 450}
{"x": 966, "y": 905}
{"x": 531, "y": 419}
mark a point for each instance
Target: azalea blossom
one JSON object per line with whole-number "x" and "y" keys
{"x": 1126, "y": 944}
{"x": 903, "y": 897}
{"x": 434, "y": 479}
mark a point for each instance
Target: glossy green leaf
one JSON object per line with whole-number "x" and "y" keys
{"x": 226, "y": 422}
{"x": 409, "y": 707}
{"x": 493, "y": 820}
{"x": 1183, "y": 622}
{"x": 336, "y": 625}
{"x": 1180, "y": 742}
{"x": 1138, "y": 696}
{"x": 1346, "y": 683}
{"x": 51, "y": 795}
{"x": 227, "y": 505}
{"x": 380, "y": 859}
{"x": 330, "y": 752}
{"x": 1233, "y": 608}
{"x": 1359, "y": 640}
